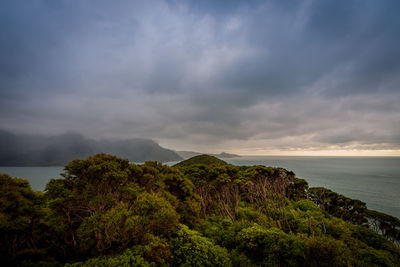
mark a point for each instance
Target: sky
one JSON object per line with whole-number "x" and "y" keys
{"x": 250, "y": 77}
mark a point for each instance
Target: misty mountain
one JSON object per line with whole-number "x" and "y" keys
{"x": 190, "y": 154}
{"x": 36, "y": 150}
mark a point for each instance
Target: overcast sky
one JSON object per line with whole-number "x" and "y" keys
{"x": 251, "y": 77}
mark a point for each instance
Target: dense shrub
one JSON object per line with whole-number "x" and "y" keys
{"x": 105, "y": 211}
{"x": 192, "y": 249}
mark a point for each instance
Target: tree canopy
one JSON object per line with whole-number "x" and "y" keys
{"x": 106, "y": 211}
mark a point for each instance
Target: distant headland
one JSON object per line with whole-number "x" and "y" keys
{"x": 58, "y": 150}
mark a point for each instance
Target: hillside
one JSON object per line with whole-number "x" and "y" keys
{"x": 106, "y": 211}
{"x": 201, "y": 159}
{"x": 35, "y": 150}
{"x": 189, "y": 154}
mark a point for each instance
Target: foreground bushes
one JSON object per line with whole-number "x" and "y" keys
{"x": 108, "y": 212}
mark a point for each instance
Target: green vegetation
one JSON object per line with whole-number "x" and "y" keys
{"x": 202, "y": 160}
{"x": 106, "y": 211}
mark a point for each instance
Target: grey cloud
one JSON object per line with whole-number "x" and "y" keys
{"x": 286, "y": 74}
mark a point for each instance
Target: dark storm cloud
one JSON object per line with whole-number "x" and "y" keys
{"x": 205, "y": 74}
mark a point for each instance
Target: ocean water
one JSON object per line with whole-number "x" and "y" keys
{"x": 37, "y": 176}
{"x": 374, "y": 180}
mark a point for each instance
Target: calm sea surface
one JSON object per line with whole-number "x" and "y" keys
{"x": 374, "y": 180}
{"x": 37, "y": 176}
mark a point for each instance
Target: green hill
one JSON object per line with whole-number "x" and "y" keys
{"x": 201, "y": 159}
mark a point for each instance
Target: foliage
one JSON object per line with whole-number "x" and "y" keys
{"x": 20, "y": 220}
{"x": 298, "y": 189}
{"x": 192, "y": 249}
{"x": 271, "y": 247}
{"x": 201, "y": 160}
{"x": 345, "y": 208}
{"x": 127, "y": 258}
{"x": 384, "y": 224}
{"x": 105, "y": 211}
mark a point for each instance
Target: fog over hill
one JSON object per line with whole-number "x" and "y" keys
{"x": 37, "y": 150}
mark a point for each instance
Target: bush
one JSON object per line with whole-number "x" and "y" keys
{"x": 127, "y": 258}
{"x": 192, "y": 249}
{"x": 271, "y": 246}
{"x": 306, "y": 205}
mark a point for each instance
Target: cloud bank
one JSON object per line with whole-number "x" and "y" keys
{"x": 241, "y": 76}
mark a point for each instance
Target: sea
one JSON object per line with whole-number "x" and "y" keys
{"x": 374, "y": 180}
